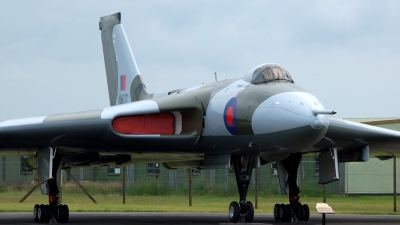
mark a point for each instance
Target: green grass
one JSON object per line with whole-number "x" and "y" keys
{"x": 158, "y": 199}
{"x": 150, "y": 203}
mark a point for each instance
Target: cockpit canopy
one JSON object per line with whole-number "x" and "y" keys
{"x": 267, "y": 72}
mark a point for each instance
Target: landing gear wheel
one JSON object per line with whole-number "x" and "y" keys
{"x": 300, "y": 212}
{"x": 250, "y": 212}
{"x": 277, "y": 209}
{"x": 282, "y": 212}
{"x": 306, "y": 213}
{"x": 289, "y": 213}
{"x": 66, "y": 212}
{"x": 48, "y": 215}
{"x": 35, "y": 213}
{"x": 234, "y": 212}
{"x": 41, "y": 214}
{"x": 60, "y": 214}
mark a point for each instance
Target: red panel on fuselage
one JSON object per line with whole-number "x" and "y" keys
{"x": 162, "y": 123}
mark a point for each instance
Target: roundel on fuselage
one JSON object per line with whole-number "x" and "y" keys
{"x": 230, "y": 116}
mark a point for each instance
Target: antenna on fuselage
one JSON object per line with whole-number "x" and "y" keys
{"x": 215, "y": 76}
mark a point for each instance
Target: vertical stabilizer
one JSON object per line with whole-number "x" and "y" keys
{"x": 123, "y": 76}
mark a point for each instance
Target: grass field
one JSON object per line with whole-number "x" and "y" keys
{"x": 112, "y": 202}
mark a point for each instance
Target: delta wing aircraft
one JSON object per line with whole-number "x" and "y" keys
{"x": 253, "y": 120}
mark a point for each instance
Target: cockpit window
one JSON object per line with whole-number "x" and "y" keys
{"x": 263, "y": 75}
{"x": 287, "y": 75}
{"x": 269, "y": 72}
{"x": 278, "y": 73}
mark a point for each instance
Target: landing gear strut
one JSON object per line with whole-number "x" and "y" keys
{"x": 294, "y": 211}
{"x": 49, "y": 168}
{"x": 244, "y": 210}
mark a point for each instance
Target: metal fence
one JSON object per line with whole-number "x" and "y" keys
{"x": 105, "y": 184}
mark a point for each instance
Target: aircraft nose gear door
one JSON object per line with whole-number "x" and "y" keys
{"x": 49, "y": 169}
{"x": 244, "y": 210}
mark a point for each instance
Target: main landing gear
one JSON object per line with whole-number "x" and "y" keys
{"x": 291, "y": 212}
{"x": 54, "y": 211}
{"x": 294, "y": 211}
{"x": 49, "y": 168}
{"x": 244, "y": 210}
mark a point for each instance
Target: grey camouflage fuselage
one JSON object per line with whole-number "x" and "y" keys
{"x": 263, "y": 112}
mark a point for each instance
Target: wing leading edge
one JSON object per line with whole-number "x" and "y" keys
{"x": 95, "y": 130}
{"x": 348, "y": 136}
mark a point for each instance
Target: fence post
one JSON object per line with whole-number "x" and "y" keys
{"x": 60, "y": 185}
{"x": 256, "y": 188}
{"x": 394, "y": 185}
{"x": 80, "y": 174}
{"x": 3, "y": 177}
{"x": 123, "y": 184}
{"x": 190, "y": 186}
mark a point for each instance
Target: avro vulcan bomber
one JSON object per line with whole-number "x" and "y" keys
{"x": 243, "y": 123}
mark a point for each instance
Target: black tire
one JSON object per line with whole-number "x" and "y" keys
{"x": 301, "y": 212}
{"x": 277, "y": 208}
{"x": 306, "y": 213}
{"x": 234, "y": 212}
{"x": 289, "y": 214}
{"x": 250, "y": 213}
{"x": 60, "y": 217}
{"x": 282, "y": 212}
{"x": 48, "y": 214}
{"x": 41, "y": 214}
{"x": 35, "y": 213}
{"x": 66, "y": 213}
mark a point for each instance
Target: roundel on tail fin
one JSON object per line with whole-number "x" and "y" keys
{"x": 230, "y": 116}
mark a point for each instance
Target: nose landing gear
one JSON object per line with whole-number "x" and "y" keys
{"x": 243, "y": 210}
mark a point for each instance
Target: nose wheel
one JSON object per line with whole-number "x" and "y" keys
{"x": 235, "y": 212}
{"x": 242, "y": 211}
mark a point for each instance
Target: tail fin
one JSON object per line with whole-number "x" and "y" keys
{"x": 123, "y": 77}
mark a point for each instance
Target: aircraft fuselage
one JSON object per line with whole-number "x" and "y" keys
{"x": 276, "y": 117}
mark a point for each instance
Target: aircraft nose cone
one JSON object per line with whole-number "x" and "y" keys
{"x": 289, "y": 121}
{"x": 309, "y": 107}
{"x": 290, "y": 110}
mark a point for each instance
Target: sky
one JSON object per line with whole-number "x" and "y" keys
{"x": 346, "y": 53}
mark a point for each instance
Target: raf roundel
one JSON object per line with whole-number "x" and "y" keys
{"x": 230, "y": 116}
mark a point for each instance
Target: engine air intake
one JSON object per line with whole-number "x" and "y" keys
{"x": 162, "y": 124}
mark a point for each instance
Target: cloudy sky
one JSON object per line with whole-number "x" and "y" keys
{"x": 346, "y": 53}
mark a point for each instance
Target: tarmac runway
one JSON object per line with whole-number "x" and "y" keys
{"x": 192, "y": 218}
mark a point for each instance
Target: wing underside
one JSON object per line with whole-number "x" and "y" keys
{"x": 348, "y": 136}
